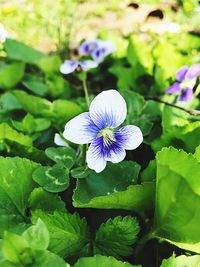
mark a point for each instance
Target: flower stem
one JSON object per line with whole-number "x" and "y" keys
{"x": 83, "y": 158}
{"x": 193, "y": 112}
{"x": 86, "y": 92}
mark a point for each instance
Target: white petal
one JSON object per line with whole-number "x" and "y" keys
{"x": 81, "y": 129}
{"x": 108, "y": 109}
{"x": 129, "y": 136}
{"x": 94, "y": 158}
{"x": 68, "y": 66}
{"x": 116, "y": 157}
{"x": 88, "y": 64}
{"x": 59, "y": 141}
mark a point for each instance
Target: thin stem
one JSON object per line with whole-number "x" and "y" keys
{"x": 86, "y": 92}
{"x": 83, "y": 158}
{"x": 190, "y": 111}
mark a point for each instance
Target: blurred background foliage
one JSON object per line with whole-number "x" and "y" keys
{"x": 50, "y": 26}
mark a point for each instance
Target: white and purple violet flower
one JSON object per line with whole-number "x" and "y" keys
{"x": 97, "y": 49}
{"x": 99, "y": 127}
{"x": 70, "y": 66}
{"x": 186, "y": 79}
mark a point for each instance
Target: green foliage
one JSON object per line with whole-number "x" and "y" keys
{"x": 68, "y": 232}
{"x": 35, "y": 85}
{"x": 178, "y": 174}
{"x": 56, "y": 178}
{"x": 8, "y": 102}
{"x": 52, "y": 179}
{"x": 138, "y": 111}
{"x": 14, "y": 173}
{"x": 30, "y": 125}
{"x": 29, "y": 249}
{"x": 37, "y": 236}
{"x": 8, "y": 70}
{"x": 182, "y": 261}
{"x": 114, "y": 188}
{"x": 102, "y": 261}
{"x": 7, "y": 133}
{"x": 116, "y": 236}
{"x": 19, "y": 51}
{"x": 41, "y": 199}
{"x": 179, "y": 130}
{"x": 62, "y": 155}
{"x": 139, "y": 55}
{"x": 58, "y": 111}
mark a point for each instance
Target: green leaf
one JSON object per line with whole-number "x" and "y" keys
{"x": 50, "y": 63}
{"x": 179, "y": 129}
{"x": 166, "y": 55}
{"x": 68, "y": 232}
{"x": 8, "y": 102}
{"x": 48, "y": 259}
{"x": 16, "y": 249}
{"x": 149, "y": 174}
{"x": 35, "y": 85}
{"x": 114, "y": 188}
{"x": 64, "y": 155}
{"x": 177, "y": 213}
{"x": 52, "y": 179}
{"x": 31, "y": 125}
{"x": 64, "y": 110}
{"x": 139, "y": 55}
{"x": 102, "y": 261}
{"x": 6, "y": 263}
{"x": 16, "y": 185}
{"x": 41, "y": 199}
{"x": 57, "y": 86}
{"x": 116, "y": 236}
{"x": 37, "y": 236}
{"x": 80, "y": 172}
{"x": 11, "y": 74}
{"x": 33, "y": 104}
{"x": 7, "y": 133}
{"x": 59, "y": 111}
{"x": 197, "y": 153}
{"x": 137, "y": 115}
{"x": 181, "y": 261}
{"x": 125, "y": 81}
{"x": 22, "y": 52}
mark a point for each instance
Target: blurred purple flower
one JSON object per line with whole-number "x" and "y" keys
{"x": 98, "y": 49}
{"x": 70, "y": 66}
{"x": 185, "y": 81}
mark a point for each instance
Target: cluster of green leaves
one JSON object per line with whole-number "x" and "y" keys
{"x": 55, "y": 211}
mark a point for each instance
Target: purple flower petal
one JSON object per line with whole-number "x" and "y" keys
{"x": 130, "y": 137}
{"x": 186, "y": 95}
{"x": 68, "y": 66}
{"x": 180, "y": 75}
{"x": 103, "y": 50}
{"x": 174, "y": 88}
{"x": 193, "y": 72}
{"x": 88, "y": 64}
{"x": 95, "y": 157}
{"x": 81, "y": 129}
{"x": 100, "y": 151}
{"x": 88, "y": 47}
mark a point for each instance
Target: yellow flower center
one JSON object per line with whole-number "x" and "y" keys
{"x": 108, "y": 136}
